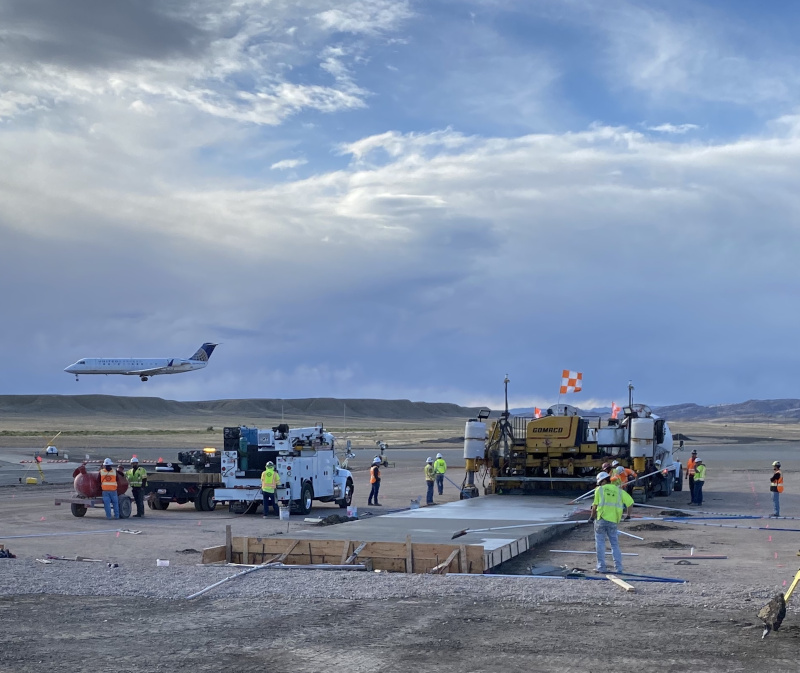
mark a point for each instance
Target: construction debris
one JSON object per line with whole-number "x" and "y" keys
{"x": 621, "y": 583}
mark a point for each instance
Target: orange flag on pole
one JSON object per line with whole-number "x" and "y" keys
{"x": 537, "y": 412}
{"x": 571, "y": 381}
{"x": 615, "y": 410}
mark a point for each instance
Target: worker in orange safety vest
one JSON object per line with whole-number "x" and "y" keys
{"x": 375, "y": 480}
{"x": 108, "y": 484}
{"x": 690, "y": 470}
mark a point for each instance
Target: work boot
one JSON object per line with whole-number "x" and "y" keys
{"x": 377, "y": 504}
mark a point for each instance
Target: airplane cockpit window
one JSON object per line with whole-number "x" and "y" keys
{"x": 82, "y": 362}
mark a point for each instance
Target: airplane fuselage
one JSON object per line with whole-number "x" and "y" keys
{"x": 132, "y": 366}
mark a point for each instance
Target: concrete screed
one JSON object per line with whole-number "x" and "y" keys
{"x": 449, "y": 623}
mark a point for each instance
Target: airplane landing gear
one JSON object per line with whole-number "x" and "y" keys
{"x": 76, "y": 377}
{"x": 144, "y": 378}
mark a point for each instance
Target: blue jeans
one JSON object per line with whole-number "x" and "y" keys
{"x": 269, "y": 499}
{"x": 698, "y": 492}
{"x": 373, "y": 493}
{"x": 776, "y": 503}
{"x": 111, "y": 498}
{"x": 606, "y": 529}
{"x": 440, "y": 483}
{"x": 429, "y": 498}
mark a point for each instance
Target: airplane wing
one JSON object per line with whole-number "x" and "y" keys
{"x": 147, "y": 372}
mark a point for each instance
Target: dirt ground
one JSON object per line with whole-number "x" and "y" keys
{"x": 709, "y": 624}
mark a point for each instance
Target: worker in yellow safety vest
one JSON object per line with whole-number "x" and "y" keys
{"x": 776, "y": 486}
{"x": 270, "y": 480}
{"x": 439, "y": 468}
{"x": 429, "y": 479}
{"x": 108, "y": 485}
{"x": 699, "y": 481}
{"x": 375, "y": 481}
{"x": 137, "y": 480}
{"x": 611, "y": 504}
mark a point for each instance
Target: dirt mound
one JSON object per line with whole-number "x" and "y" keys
{"x": 667, "y": 544}
{"x": 651, "y": 526}
{"x": 333, "y": 519}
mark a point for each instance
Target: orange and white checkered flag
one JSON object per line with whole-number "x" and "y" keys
{"x": 571, "y": 382}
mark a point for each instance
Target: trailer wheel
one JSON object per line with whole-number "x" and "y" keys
{"x": 158, "y": 503}
{"x": 78, "y": 510}
{"x": 348, "y": 495}
{"x": 206, "y": 499}
{"x": 124, "y": 507}
{"x": 306, "y": 498}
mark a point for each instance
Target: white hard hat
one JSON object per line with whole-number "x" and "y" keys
{"x": 376, "y": 460}
{"x": 601, "y": 476}
{"x": 699, "y": 460}
{"x": 134, "y": 459}
{"x": 438, "y": 455}
{"x": 108, "y": 461}
{"x": 619, "y": 469}
{"x": 430, "y": 460}
{"x": 615, "y": 463}
{"x": 776, "y": 464}
{"x": 270, "y": 463}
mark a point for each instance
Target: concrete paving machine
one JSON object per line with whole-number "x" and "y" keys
{"x": 563, "y": 451}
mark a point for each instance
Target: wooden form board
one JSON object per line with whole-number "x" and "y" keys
{"x": 391, "y": 556}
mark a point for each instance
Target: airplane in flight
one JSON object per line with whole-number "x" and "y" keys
{"x": 142, "y": 367}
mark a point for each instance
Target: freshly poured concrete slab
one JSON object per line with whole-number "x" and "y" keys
{"x": 436, "y": 524}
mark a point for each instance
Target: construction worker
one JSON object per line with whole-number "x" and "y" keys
{"x": 270, "y": 480}
{"x": 699, "y": 480}
{"x": 137, "y": 479}
{"x": 429, "y": 478}
{"x": 776, "y": 486}
{"x": 375, "y": 480}
{"x": 610, "y": 506}
{"x": 439, "y": 468}
{"x": 108, "y": 484}
{"x": 617, "y": 473}
{"x": 690, "y": 473}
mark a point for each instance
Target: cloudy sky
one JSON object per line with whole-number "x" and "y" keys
{"x": 402, "y": 198}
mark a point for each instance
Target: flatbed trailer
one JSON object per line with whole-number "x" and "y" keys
{"x": 164, "y": 488}
{"x": 79, "y": 504}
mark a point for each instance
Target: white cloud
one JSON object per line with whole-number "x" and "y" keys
{"x": 678, "y": 129}
{"x": 287, "y": 164}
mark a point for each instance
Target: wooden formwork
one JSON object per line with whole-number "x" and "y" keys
{"x": 416, "y": 557}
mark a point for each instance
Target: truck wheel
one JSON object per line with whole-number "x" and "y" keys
{"x": 198, "y": 504}
{"x": 160, "y": 504}
{"x": 306, "y": 498}
{"x": 252, "y": 508}
{"x": 348, "y": 495}
{"x": 679, "y": 482}
{"x": 78, "y": 510}
{"x": 124, "y": 507}
{"x": 206, "y": 499}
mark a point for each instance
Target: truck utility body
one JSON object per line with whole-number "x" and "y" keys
{"x": 304, "y": 458}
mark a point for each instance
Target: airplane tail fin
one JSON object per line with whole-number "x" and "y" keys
{"x": 204, "y": 352}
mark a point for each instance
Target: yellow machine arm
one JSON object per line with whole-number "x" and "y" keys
{"x": 788, "y": 594}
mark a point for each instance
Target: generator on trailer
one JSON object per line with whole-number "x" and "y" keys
{"x": 304, "y": 458}
{"x": 562, "y": 451}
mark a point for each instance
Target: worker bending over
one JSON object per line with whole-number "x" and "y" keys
{"x": 108, "y": 484}
{"x": 137, "y": 480}
{"x": 611, "y": 504}
{"x": 270, "y": 480}
{"x": 429, "y": 478}
{"x": 439, "y": 468}
{"x": 375, "y": 481}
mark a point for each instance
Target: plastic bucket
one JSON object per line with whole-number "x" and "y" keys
{"x": 162, "y": 562}
{"x": 352, "y": 512}
{"x": 283, "y": 513}
{"x": 31, "y": 480}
